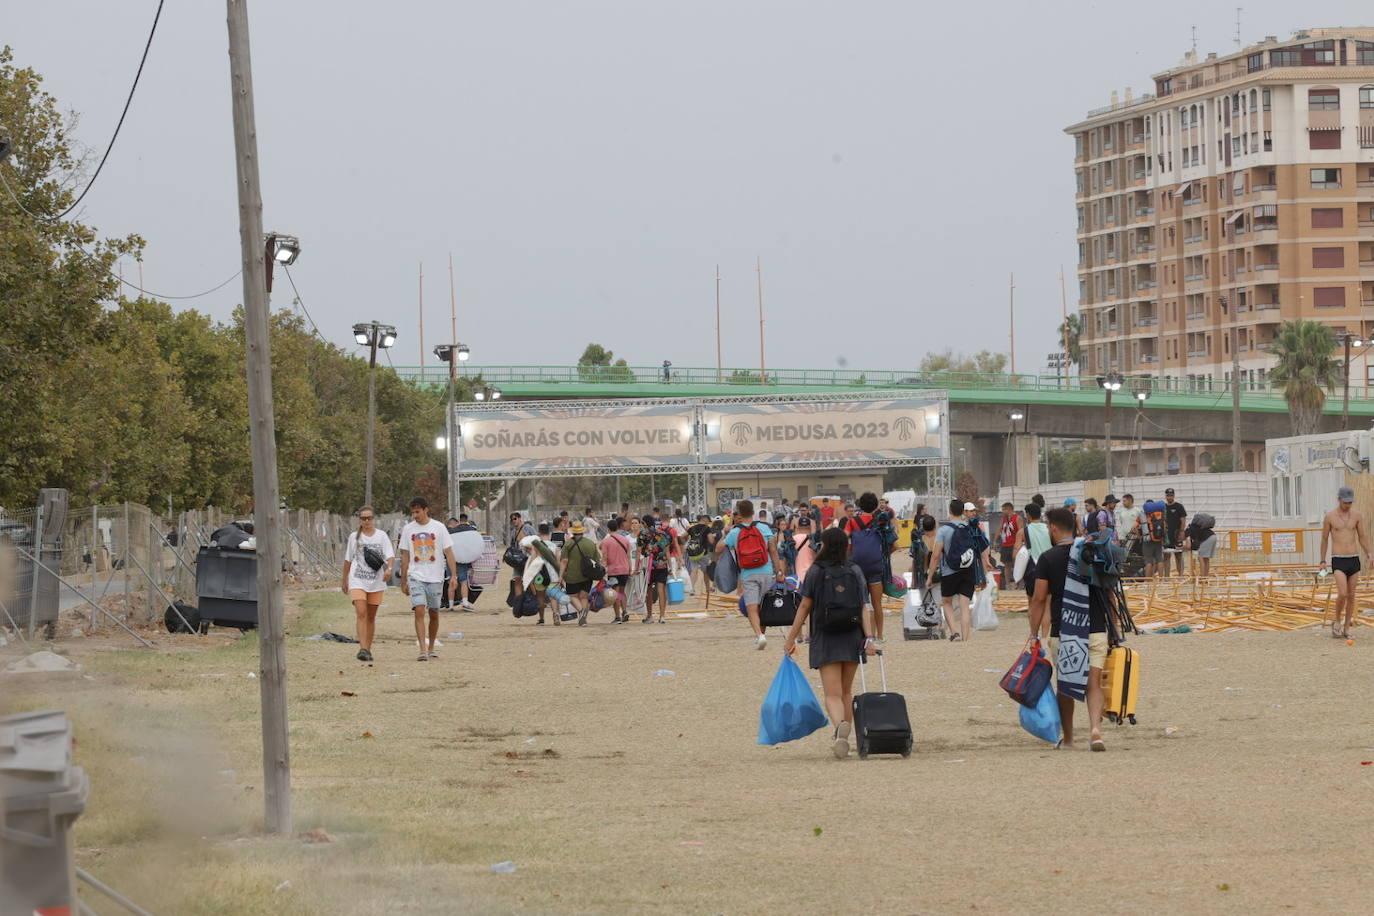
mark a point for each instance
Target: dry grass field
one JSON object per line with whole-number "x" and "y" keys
{"x": 615, "y": 790}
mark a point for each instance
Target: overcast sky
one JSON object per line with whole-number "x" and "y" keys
{"x": 589, "y": 163}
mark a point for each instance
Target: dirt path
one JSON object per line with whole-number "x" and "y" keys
{"x": 616, "y": 790}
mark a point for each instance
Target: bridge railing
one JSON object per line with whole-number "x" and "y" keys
{"x": 771, "y": 379}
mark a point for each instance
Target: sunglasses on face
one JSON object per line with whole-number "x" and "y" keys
{"x": 364, "y": 518}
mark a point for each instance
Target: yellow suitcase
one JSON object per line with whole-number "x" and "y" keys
{"x": 1121, "y": 684}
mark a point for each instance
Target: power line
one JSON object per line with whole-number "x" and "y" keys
{"x": 127, "y": 102}
{"x": 145, "y": 292}
{"x": 301, "y": 303}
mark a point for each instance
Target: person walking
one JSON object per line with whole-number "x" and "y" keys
{"x": 576, "y": 569}
{"x": 368, "y": 560}
{"x": 756, "y": 556}
{"x": 458, "y": 526}
{"x": 659, "y": 549}
{"x": 696, "y": 546}
{"x": 1202, "y": 540}
{"x": 425, "y": 548}
{"x": 1063, "y": 596}
{"x": 619, "y": 553}
{"x": 827, "y": 513}
{"x": 1175, "y": 518}
{"x": 1038, "y": 540}
{"x": 868, "y": 518}
{"x": 956, "y": 559}
{"x": 1343, "y": 530}
{"x": 833, "y": 580}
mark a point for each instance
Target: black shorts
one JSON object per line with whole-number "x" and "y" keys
{"x": 615, "y": 581}
{"x": 577, "y": 588}
{"x": 959, "y": 582}
{"x": 1348, "y": 565}
{"x": 1008, "y": 555}
{"x": 658, "y": 576}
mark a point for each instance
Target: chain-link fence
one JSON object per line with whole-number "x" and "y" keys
{"x": 89, "y": 568}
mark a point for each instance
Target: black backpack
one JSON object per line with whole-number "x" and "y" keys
{"x": 840, "y": 604}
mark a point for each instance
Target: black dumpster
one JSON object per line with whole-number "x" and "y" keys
{"x": 227, "y": 587}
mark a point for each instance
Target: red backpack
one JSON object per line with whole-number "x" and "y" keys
{"x": 751, "y": 550}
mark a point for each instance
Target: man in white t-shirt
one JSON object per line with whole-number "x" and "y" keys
{"x": 425, "y": 546}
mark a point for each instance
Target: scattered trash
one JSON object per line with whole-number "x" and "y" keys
{"x": 956, "y": 761}
{"x": 567, "y": 674}
{"x": 530, "y": 741}
{"x": 664, "y": 672}
{"x": 1365, "y": 763}
{"x": 366, "y": 734}
{"x": 1223, "y": 887}
{"x": 251, "y": 674}
{"x": 1276, "y": 706}
{"x": 393, "y": 675}
{"x": 437, "y": 644}
{"x": 347, "y": 693}
{"x": 318, "y": 835}
{"x": 332, "y": 637}
{"x": 988, "y": 670}
{"x": 1170, "y": 730}
{"x": 41, "y": 662}
{"x": 503, "y": 868}
{"x": 1235, "y": 688}
{"x": 455, "y": 636}
{"x": 816, "y": 831}
{"x": 1181, "y": 628}
{"x": 285, "y": 885}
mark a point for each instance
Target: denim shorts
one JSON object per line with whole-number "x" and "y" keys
{"x": 464, "y": 571}
{"x": 425, "y": 593}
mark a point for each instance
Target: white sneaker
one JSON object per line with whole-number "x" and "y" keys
{"x": 840, "y": 747}
{"x": 761, "y": 642}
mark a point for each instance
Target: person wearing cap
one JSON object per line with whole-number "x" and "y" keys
{"x": 1072, "y": 505}
{"x": 572, "y": 563}
{"x": 1174, "y": 517}
{"x": 1343, "y": 530}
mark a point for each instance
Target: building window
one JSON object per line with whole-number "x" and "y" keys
{"x": 1328, "y": 257}
{"x": 1364, "y": 53}
{"x": 1323, "y": 139}
{"x": 1254, "y": 62}
{"x": 1328, "y": 297}
{"x": 1326, "y": 179}
{"x": 1367, "y": 96}
{"x": 1267, "y": 98}
{"x": 1328, "y": 217}
{"x": 1323, "y": 99}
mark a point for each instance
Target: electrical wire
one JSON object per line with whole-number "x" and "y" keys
{"x": 301, "y": 302}
{"x": 127, "y": 102}
{"x": 213, "y": 289}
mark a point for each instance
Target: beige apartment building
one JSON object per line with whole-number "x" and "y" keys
{"x": 1239, "y": 194}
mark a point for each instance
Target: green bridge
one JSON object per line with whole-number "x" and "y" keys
{"x": 553, "y": 382}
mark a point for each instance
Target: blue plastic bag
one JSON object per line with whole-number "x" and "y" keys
{"x": 1042, "y": 719}
{"x": 790, "y": 709}
{"x": 727, "y": 572}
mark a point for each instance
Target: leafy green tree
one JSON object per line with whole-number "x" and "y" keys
{"x": 597, "y": 364}
{"x": 1304, "y": 365}
{"x": 984, "y": 362}
{"x": 54, "y": 276}
{"x": 1222, "y": 463}
{"x": 1084, "y": 462}
{"x": 1070, "y": 335}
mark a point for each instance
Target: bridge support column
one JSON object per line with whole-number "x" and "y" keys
{"x": 1025, "y": 460}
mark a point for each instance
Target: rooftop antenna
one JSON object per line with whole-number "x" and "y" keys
{"x": 1195, "y": 41}
{"x": 1238, "y": 12}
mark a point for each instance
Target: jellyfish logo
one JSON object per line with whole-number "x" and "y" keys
{"x": 905, "y": 427}
{"x": 741, "y": 431}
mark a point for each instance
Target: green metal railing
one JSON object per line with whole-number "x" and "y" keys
{"x": 701, "y": 380}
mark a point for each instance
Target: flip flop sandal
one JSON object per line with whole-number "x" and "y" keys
{"x": 1335, "y": 634}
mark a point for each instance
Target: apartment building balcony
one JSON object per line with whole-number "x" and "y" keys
{"x": 1193, "y": 353}
{"x": 1270, "y": 266}
{"x": 1192, "y": 201}
{"x": 1192, "y": 239}
{"x": 1192, "y": 278}
{"x": 1195, "y": 316}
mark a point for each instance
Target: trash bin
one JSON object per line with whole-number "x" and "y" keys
{"x": 41, "y": 795}
{"x": 227, "y": 587}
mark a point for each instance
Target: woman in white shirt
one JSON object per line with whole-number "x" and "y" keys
{"x": 364, "y": 583}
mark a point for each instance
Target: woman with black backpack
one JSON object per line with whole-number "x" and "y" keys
{"x": 835, "y": 598}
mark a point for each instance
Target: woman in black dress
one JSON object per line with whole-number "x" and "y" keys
{"x": 835, "y": 654}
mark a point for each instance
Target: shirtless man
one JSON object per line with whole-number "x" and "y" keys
{"x": 1344, "y": 528}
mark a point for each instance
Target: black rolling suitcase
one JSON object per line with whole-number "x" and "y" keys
{"x": 881, "y": 725}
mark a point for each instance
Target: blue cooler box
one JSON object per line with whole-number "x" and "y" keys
{"x": 676, "y": 591}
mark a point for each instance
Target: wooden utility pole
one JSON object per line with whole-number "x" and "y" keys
{"x": 763, "y": 372}
{"x": 1236, "y": 463}
{"x": 719, "y": 368}
{"x": 422, "y": 322}
{"x": 1011, "y": 321}
{"x": 276, "y": 758}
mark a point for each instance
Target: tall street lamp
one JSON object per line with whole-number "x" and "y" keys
{"x": 280, "y": 249}
{"x": 374, "y": 336}
{"x": 452, "y": 354}
{"x": 1349, "y": 340}
{"x": 1142, "y": 394}
{"x": 1109, "y": 383}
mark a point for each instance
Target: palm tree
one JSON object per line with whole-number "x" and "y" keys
{"x": 1303, "y": 367}
{"x": 1069, "y": 333}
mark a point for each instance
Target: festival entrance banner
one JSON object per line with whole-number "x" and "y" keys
{"x": 576, "y": 438}
{"x": 833, "y": 430}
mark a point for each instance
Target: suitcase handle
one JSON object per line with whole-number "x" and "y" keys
{"x": 882, "y": 668}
